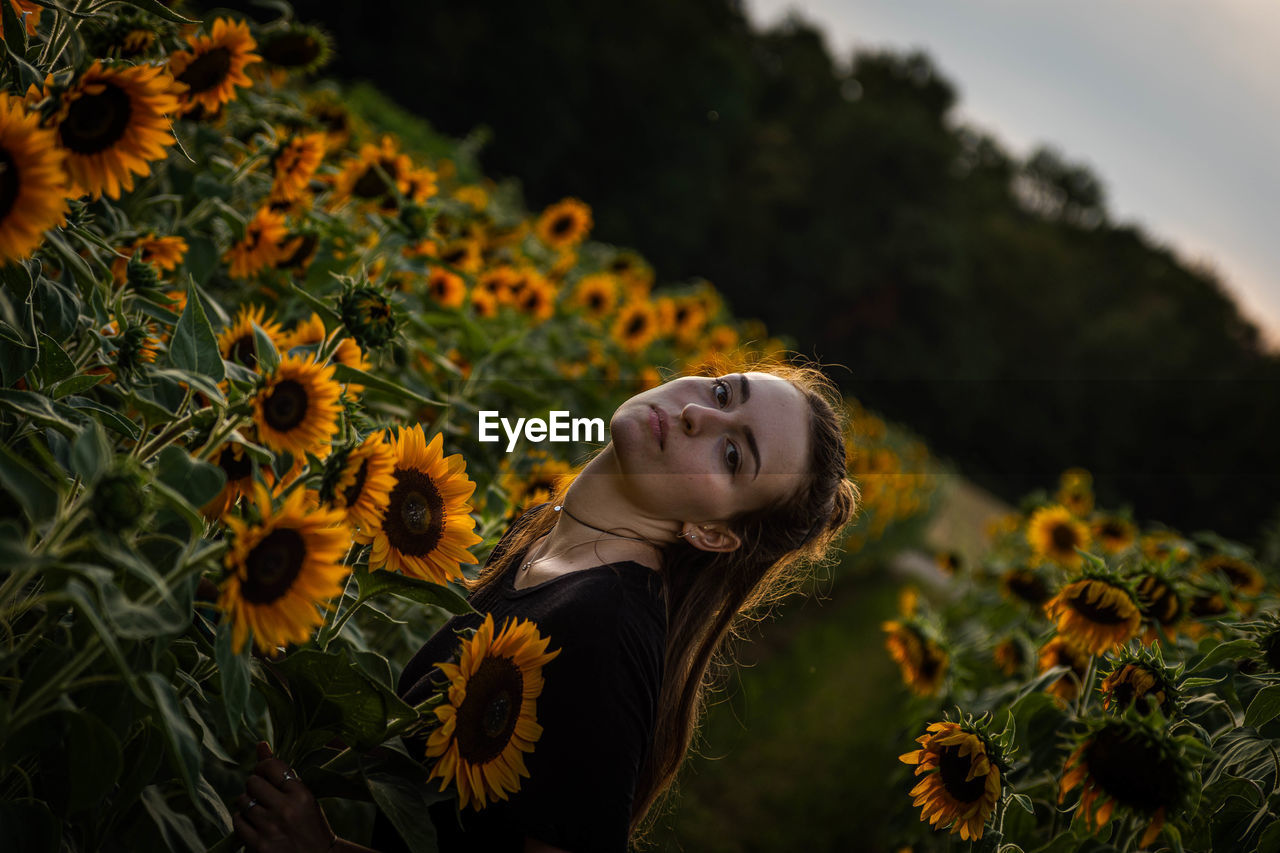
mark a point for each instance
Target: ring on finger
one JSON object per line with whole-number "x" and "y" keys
{"x": 288, "y": 774}
{"x": 252, "y": 802}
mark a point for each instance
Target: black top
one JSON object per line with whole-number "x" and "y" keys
{"x": 597, "y": 709}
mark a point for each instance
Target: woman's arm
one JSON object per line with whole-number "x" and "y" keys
{"x": 533, "y": 845}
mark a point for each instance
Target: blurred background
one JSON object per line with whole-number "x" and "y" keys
{"x": 1039, "y": 238}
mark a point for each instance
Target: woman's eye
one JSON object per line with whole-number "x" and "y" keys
{"x": 721, "y": 392}
{"x": 731, "y": 457}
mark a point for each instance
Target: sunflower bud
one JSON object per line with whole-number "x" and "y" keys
{"x": 368, "y": 316}
{"x": 140, "y": 275}
{"x": 120, "y": 499}
{"x": 416, "y": 219}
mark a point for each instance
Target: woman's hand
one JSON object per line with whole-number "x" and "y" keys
{"x": 279, "y": 814}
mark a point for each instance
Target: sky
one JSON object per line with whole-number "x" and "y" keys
{"x": 1173, "y": 104}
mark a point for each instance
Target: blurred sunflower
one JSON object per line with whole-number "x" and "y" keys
{"x": 297, "y": 410}
{"x": 540, "y": 483}
{"x": 961, "y": 783}
{"x": 1077, "y": 496}
{"x": 634, "y": 271}
{"x": 376, "y": 175}
{"x": 1026, "y": 585}
{"x": 1060, "y": 652}
{"x": 596, "y": 295}
{"x": 263, "y": 244}
{"x": 1140, "y": 684}
{"x": 165, "y": 253}
{"x": 1009, "y": 656}
{"x": 295, "y": 162}
{"x": 1244, "y": 577}
{"x": 1095, "y": 613}
{"x": 490, "y": 715}
{"x": 1113, "y": 533}
{"x": 112, "y": 123}
{"x": 564, "y": 223}
{"x": 237, "y": 465}
{"x": 462, "y": 255}
{"x": 33, "y": 183}
{"x": 473, "y": 196}
{"x": 636, "y": 326}
{"x": 537, "y": 300}
{"x": 1123, "y": 761}
{"x": 294, "y": 47}
{"x": 1161, "y": 545}
{"x": 213, "y": 66}
{"x": 367, "y": 313}
{"x": 427, "y": 527}
{"x": 237, "y": 342}
{"x": 1054, "y": 533}
{"x": 446, "y": 288}
{"x": 360, "y": 482}
{"x": 1159, "y": 601}
{"x": 483, "y": 303}
{"x": 280, "y": 568}
{"x": 949, "y": 562}
{"x": 688, "y": 319}
{"x": 499, "y": 283}
{"x": 922, "y": 660}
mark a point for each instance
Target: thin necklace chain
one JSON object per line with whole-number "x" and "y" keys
{"x": 565, "y": 509}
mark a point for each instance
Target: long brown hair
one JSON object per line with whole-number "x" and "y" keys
{"x": 711, "y": 595}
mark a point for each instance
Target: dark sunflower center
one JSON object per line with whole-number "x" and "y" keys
{"x": 636, "y": 326}
{"x": 414, "y": 521}
{"x": 954, "y": 767}
{"x": 1210, "y": 604}
{"x": 286, "y": 407}
{"x": 244, "y": 351}
{"x": 562, "y": 225}
{"x": 1095, "y": 611}
{"x": 1111, "y": 530}
{"x": 1031, "y": 588}
{"x": 236, "y": 468}
{"x": 305, "y": 246}
{"x": 1063, "y": 538}
{"x": 207, "y": 70}
{"x": 371, "y": 184}
{"x": 1161, "y": 600}
{"x": 930, "y": 664}
{"x": 10, "y": 183}
{"x": 1235, "y": 574}
{"x": 352, "y": 492}
{"x": 595, "y": 301}
{"x": 96, "y": 122}
{"x": 273, "y": 564}
{"x": 453, "y": 257}
{"x": 292, "y": 50}
{"x": 1131, "y": 770}
{"x": 487, "y": 717}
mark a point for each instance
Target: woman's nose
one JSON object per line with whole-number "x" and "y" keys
{"x": 695, "y": 418}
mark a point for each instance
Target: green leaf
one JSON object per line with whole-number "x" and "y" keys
{"x": 90, "y": 453}
{"x": 267, "y": 354}
{"x": 346, "y": 373}
{"x": 234, "y": 670}
{"x": 54, "y": 363}
{"x": 1264, "y": 708}
{"x": 196, "y": 480}
{"x": 377, "y": 583}
{"x": 158, "y": 9}
{"x": 194, "y": 346}
{"x": 109, "y": 417}
{"x": 333, "y": 694}
{"x": 40, "y": 409}
{"x": 399, "y": 786}
{"x": 201, "y": 259}
{"x": 184, "y": 747}
{"x": 60, "y": 307}
{"x": 1269, "y": 841}
{"x": 1023, "y": 802}
{"x": 38, "y": 497}
{"x": 80, "y": 269}
{"x": 16, "y": 356}
{"x": 1224, "y": 651}
{"x": 177, "y": 830}
{"x": 76, "y": 384}
{"x": 96, "y": 758}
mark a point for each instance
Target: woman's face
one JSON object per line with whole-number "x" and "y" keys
{"x": 709, "y": 448}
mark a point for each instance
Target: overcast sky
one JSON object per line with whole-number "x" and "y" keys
{"x": 1174, "y": 104}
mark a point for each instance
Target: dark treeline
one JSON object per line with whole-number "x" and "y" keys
{"x": 990, "y": 303}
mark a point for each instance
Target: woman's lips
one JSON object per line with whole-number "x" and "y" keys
{"x": 658, "y": 424}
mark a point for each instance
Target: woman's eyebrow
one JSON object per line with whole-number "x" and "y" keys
{"x": 755, "y": 451}
{"x": 745, "y": 386}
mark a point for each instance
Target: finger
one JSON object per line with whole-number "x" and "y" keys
{"x": 264, "y": 750}
{"x": 264, "y": 792}
{"x": 251, "y": 837}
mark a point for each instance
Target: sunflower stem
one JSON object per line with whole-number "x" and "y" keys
{"x": 165, "y": 438}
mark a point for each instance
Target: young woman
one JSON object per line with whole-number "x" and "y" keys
{"x": 710, "y": 494}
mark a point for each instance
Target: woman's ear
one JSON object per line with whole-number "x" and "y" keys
{"x": 711, "y": 536}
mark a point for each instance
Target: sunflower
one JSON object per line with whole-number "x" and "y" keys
{"x": 721, "y": 339}
{"x": 472, "y": 195}
{"x": 310, "y": 333}
{"x": 1161, "y": 545}
{"x": 490, "y": 714}
{"x": 922, "y": 660}
{"x": 463, "y": 255}
{"x": 298, "y": 251}
{"x": 635, "y": 273}
{"x": 1139, "y": 684}
{"x": 360, "y": 482}
{"x": 686, "y": 319}
{"x": 164, "y": 253}
{"x": 1244, "y": 577}
{"x": 368, "y": 316}
{"x": 237, "y": 342}
{"x": 280, "y": 568}
{"x": 596, "y": 295}
{"x": 334, "y": 119}
{"x": 135, "y": 344}
{"x": 1095, "y": 613}
{"x": 1054, "y": 533}
{"x": 537, "y": 299}
{"x": 427, "y": 527}
{"x": 1130, "y": 763}
{"x": 295, "y": 162}
{"x": 297, "y": 410}
{"x": 1060, "y": 652}
{"x": 263, "y": 245}
{"x": 1113, "y": 533}
{"x": 214, "y": 66}
{"x": 238, "y": 467}
{"x": 365, "y": 176}
{"x": 635, "y": 326}
{"x": 545, "y": 479}
{"x": 1009, "y": 656}
{"x": 500, "y": 283}
{"x": 1026, "y": 585}
{"x": 1075, "y": 491}
{"x": 33, "y": 184}
{"x": 483, "y": 303}
{"x": 949, "y": 562}
{"x": 299, "y": 48}
{"x": 564, "y": 223}
{"x": 1159, "y": 601}
{"x": 446, "y": 288}
{"x": 961, "y": 783}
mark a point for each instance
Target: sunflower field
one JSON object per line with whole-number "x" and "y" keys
{"x": 1092, "y": 684}
{"x": 245, "y": 333}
